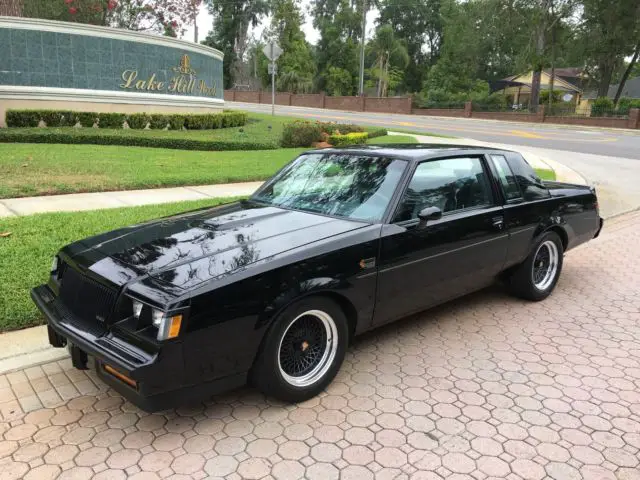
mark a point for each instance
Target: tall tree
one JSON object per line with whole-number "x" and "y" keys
{"x": 231, "y": 21}
{"x": 421, "y": 28}
{"x": 296, "y": 66}
{"x": 478, "y": 46}
{"x": 543, "y": 18}
{"x": 611, "y": 33}
{"x": 339, "y": 24}
{"x": 157, "y": 16}
{"x": 389, "y": 52}
{"x": 627, "y": 72}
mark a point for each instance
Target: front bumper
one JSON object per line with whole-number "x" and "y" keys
{"x": 156, "y": 377}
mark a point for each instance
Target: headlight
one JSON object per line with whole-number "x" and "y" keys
{"x": 157, "y": 316}
{"x": 54, "y": 264}
{"x": 167, "y": 324}
{"x": 137, "y": 308}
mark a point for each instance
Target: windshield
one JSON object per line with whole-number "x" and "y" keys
{"x": 352, "y": 186}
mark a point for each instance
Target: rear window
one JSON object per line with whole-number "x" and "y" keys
{"x": 529, "y": 182}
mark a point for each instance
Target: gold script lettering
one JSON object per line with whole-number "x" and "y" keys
{"x": 129, "y": 76}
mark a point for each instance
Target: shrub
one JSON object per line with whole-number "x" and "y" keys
{"x": 343, "y": 128}
{"x": 53, "y": 118}
{"x": 23, "y": 118}
{"x": 231, "y": 118}
{"x": 138, "y": 121}
{"x": 625, "y": 104}
{"x": 196, "y": 122}
{"x": 355, "y": 138}
{"x": 301, "y": 134}
{"x": 378, "y": 132}
{"x": 158, "y": 121}
{"x": 87, "y": 119}
{"x": 92, "y": 137}
{"x": 67, "y": 118}
{"x": 601, "y": 107}
{"x": 111, "y": 120}
{"x": 176, "y": 122}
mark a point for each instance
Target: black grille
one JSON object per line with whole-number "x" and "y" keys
{"x": 84, "y": 297}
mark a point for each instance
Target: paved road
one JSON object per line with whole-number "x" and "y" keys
{"x": 485, "y": 387}
{"x": 610, "y": 142}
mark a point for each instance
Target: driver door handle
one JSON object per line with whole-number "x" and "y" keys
{"x": 498, "y": 223}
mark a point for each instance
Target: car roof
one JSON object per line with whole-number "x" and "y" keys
{"x": 410, "y": 152}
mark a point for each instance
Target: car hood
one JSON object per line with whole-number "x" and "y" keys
{"x": 188, "y": 249}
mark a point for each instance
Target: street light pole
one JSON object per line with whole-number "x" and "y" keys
{"x": 364, "y": 27}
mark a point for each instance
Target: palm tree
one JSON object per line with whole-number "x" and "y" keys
{"x": 389, "y": 52}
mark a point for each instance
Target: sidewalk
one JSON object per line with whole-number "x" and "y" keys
{"x": 92, "y": 201}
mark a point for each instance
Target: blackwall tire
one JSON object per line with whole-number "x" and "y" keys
{"x": 536, "y": 277}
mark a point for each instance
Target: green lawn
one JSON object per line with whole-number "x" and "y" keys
{"x": 26, "y": 254}
{"x": 36, "y": 169}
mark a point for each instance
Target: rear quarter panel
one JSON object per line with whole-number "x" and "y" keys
{"x": 572, "y": 213}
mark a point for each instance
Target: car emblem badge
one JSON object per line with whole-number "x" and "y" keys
{"x": 305, "y": 345}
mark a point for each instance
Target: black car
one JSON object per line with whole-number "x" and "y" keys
{"x": 271, "y": 289}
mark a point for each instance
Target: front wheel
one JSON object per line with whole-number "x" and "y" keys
{"x": 537, "y": 276}
{"x": 303, "y": 350}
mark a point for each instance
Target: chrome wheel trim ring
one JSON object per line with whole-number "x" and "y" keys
{"x": 326, "y": 360}
{"x": 543, "y": 280}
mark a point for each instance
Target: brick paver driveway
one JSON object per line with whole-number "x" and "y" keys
{"x": 487, "y": 386}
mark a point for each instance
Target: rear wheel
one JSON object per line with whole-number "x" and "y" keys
{"x": 537, "y": 276}
{"x": 303, "y": 350}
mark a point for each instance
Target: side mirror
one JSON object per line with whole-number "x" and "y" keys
{"x": 429, "y": 213}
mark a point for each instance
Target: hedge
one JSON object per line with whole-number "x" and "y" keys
{"x": 79, "y": 137}
{"x": 355, "y": 138}
{"x": 110, "y": 120}
{"x": 378, "y": 132}
{"x": 65, "y": 118}
{"x": 302, "y": 133}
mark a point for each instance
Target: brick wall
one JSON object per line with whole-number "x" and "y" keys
{"x": 344, "y": 103}
{"x": 402, "y": 105}
{"x": 439, "y": 112}
{"x": 388, "y": 105}
{"x": 311, "y": 100}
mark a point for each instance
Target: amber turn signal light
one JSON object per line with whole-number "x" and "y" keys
{"x": 120, "y": 376}
{"x": 174, "y": 326}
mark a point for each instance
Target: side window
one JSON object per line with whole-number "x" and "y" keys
{"x": 507, "y": 179}
{"x": 450, "y": 184}
{"x": 530, "y": 184}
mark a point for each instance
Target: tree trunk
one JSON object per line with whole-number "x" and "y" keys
{"x": 606, "y": 69}
{"x": 11, "y": 8}
{"x": 535, "y": 90}
{"x": 627, "y": 72}
{"x": 537, "y": 73}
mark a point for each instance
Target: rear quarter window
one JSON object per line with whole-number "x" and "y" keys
{"x": 530, "y": 184}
